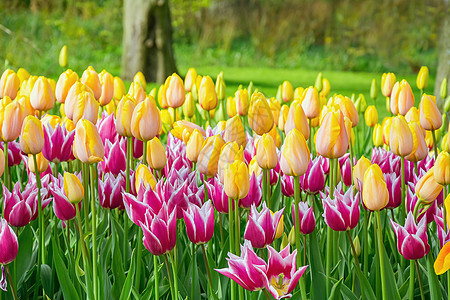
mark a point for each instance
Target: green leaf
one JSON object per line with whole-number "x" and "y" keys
{"x": 275, "y": 200}
{"x": 336, "y": 290}
{"x": 46, "y": 279}
{"x": 26, "y": 257}
{"x": 318, "y": 279}
{"x": 126, "y": 290}
{"x": 68, "y": 290}
{"x": 391, "y": 283}
{"x": 365, "y": 285}
{"x": 433, "y": 282}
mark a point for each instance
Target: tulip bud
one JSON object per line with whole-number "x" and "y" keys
{"x": 371, "y": 116}
{"x": 285, "y": 241}
{"x": 119, "y": 88}
{"x": 295, "y": 154}
{"x": 27, "y": 86}
{"x": 275, "y": 106}
{"x": 9, "y": 84}
{"x": 375, "y": 193}
{"x": 422, "y": 78}
{"x": 23, "y": 75}
{"x": 236, "y": 180}
{"x": 63, "y": 57}
{"x": 319, "y": 82}
{"x": 348, "y": 108}
{"x": 280, "y": 228}
{"x": 156, "y": 154}
{"x": 266, "y": 152}
{"x": 374, "y": 90}
{"x": 228, "y": 154}
{"x": 402, "y": 98}
{"x": 65, "y": 82}
{"x": 359, "y": 170}
{"x": 189, "y": 106}
{"x": 284, "y": 113}
{"x": 287, "y": 91}
{"x": 91, "y": 79}
{"x": 420, "y": 149}
{"x": 430, "y": 117}
{"x": 260, "y": 117}
{"x": 427, "y": 188}
{"x": 137, "y": 92}
{"x": 332, "y": 140}
{"x": 73, "y": 188}
{"x": 87, "y": 145}
{"x": 145, "y": 120}
{"x": 377, "y": 137}
{"x": 220, "y": 87}
{"x": 413, "y": 115}
{"x": 124, "y": 116}
{"x": 443, "y": 89}
{"x": 42, "y": 163}
{"x": 357, "y": 245}
{"x": 107, "y": 88}
{"x": 86, "y": 107}
{"x": 442, "y": 168}
{"x": 387, "y": 83}
{"x": 208, "y": 157}
{"x": 32, "y": 136}
{"x": 291, "y": 237}
{"x": 194, "y": 145}
{"x": 207, "y": 94}
{"x": 241, "y": 100}
{"x": 144, "y": 178}
{"x": 235, "y": 132}
{"x": 175, "y": 92}
{"x": 231, "y": 107}
{"x": 42, "y": 97}
{"x": 13, "y": 115}
{"x": 72, "y": 97}
{"x": 189, "y": 80}
{"x": 447, "y": 105}
{"x": 140, "y": 78}
{"x": 278, "y": 95}
{"x": 326, "y": 88}
{"x": 401, "y": 139}
{"x": 8, "y": 243}
{"x": 310, "y": 103}
{"x": 298, "y": 93}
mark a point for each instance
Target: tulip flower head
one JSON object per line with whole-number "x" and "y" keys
{"x": 359, "y": 170}
{"x": 442, "y": 168}
{"x": 287, "y": 91}
{"x": 427, "y": 188}
{"x": 401, "y": 139}
{"x": 124, "y": 116}
{"x": 156, "y": 154}
{"x": 375, "y": 193}
{"x": 310, "y": 103}
{"x": 91, "y": 79}
{"x": 306, "y": 217}
{"x": 175, "y": 92}
{"x": 262, "y": 226}
{"x": 11, "y": 125}
{"x": 107, "y": 91}
{"x": 146, "y": 120}
{"x": 430, "y": 116}
{"x": 260, "y": 117}
{"x": 387, "y": 83}
{"x": 297, "y": 119}
{"x": 87, "y": 144}
{"x": 266, "y": 152}
{"x": 9, "y": 244}
{"x": 332, "y": 140}
{"x": 422, "y": 78}
{"x": 442, "y": 263}
{"x": 236, "y": 180}
{"x": 194, "y": 145}
{"x": 420, "y": 148}
{"x": 402, "y": 98}
{"x": 208, "y": 158}
{"x": 144, "y": 178}
{"x": 371, "y": 116}
{"x": 295, "y": 155}
{"x": 235, "y": 132}
{"x": 9, "y": 84}
{"x": 32, "y": 136}
{"x": 199, "y": 222}
{"x": 207, "y": 94}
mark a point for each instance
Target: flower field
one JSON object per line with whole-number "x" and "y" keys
{"x": 186, "y": 191}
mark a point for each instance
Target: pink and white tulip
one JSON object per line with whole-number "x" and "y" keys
{"x": 199, "y": 222}
{"x": 262, "y": 226}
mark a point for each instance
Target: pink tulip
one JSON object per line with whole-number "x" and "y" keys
{"x": 58, "y": 143}
{"x": 262, "y": 226}
{"x": 248, "y": 269}
{"x": 160, "y": 231}
{"x": 199, "y": 222}
{"x": 394, "y": 186}
{"x": 443, "y": 235}
{"x": 342, "y": 212}
{"x": 254, "y": 196}
{"x": 313, "y": 181}
{"x": 306, "y": 217}
{"x": 282, "y": 273}
{"x": 411, "y": 200}
{"x": 115, "y": 159}
{"x": 9, "y": 245}
{"x": 14, "y": 153}
{"x": 110, "y": 191}
{"x": 346, "y": 169}
{"x": 217, "y": 193}
{"x": 287, "y": 185}
{"x": 63, "y": 209}
{"x": 138, "y": 148}
{"x": 107, "y": 128}
{"x": 137, "y": 207}
{"x": 412, "y": 238}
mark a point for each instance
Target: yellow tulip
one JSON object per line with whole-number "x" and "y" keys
{"x": 430, "y": 116}
{"x": 68, "y": 123}
{"x": 442, "y": 168}
{"x": 86, "y": 107}
{"x": 231, "y": 107}
{"x": 266, "y": 152}
{"x": 9, "y": 84}
{"x": 51, "y": 120}
{"x": 124, "y": 115}
{"x": 427, "y": 188}
{"x": 236, "y": 181}
{"x": 287, "y": 91}
{"x": 32, "y": 136}
{"x": 276, "y": 136}
{"x": 119, "y": 88}
{"x": 87, "y": 145}
{"x": 140, "y": 78}
{"x": 156, "y": 154}
{"x": 63, "y": 61}
{"x": 402, "y": 98}
{"x": 220, "y": 87}
{"x": 275, "y": 106}
{"x": 310, "y": 103}
{"x": 254, "y": 168}
{"x": 107, "y": 90}
{"x": 189, "y": 80}
{"x": 207, "y": 94}
{"x": 146, "y": 120}
{"x": 194, "y": 144}
{"x": 386, "y": 125}
{"x": 27, "y": 86}
{"x": 42, "y": 163}
{"x": 297, "y": 119}
{"x": 235, "y": 132}
{"x": 332, "y": 140}
{"x": 374, "y": 89}
{"x": 420, "y": 149}
{"x": 175, "y": 92}
{"x": 401, "y": 139}
{"x": 298, "y": 93}
{"x": 375, "y": 193}
{"x": 13, "y": 115}
{"x": 144, "y": 177}
{"x": 422, "y": 78}
{"x": 91, "y": 79}
{"x": 72, "y": 97}
{"x": 442, "y": 263}
{"x": 377, "y": 137}
{"x": 208, "y": 158}
{"x": 348, "y": 108}
{"x": 180, "y": 126}
{"x": 326, "y": 87}
{"x": 241, "y": 99}
{"x": 413, "y": 115}
{"x": 73, "y": 188}
{"x": 371, "y": 116}
{"x": 295, "y": 155}
{"x": 189, "y": 106}
{"x": 42, "y": 97}
{"x": 387, "y": 83}
{"x": 65, "y": 82}
{"x": 284, "y": 113}
{"x": 24, "y": 75}
{"x": 230, "y": 152}
{"x": 110, "y": 108}
{"x": 260, "y": 117}
{"x": 137, "y": 92}
{"x": 359, "y": 170}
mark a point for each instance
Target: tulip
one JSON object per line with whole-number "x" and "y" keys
{"x": 401, "y": 139}
{"x": 92, "y": 80}
{"x": 145, "y": 120}
{"x": 73, "y": 188}
{"x": 427, "y": 188}
{"x": 119, "y": 88}
{"x": 194, "y": 145}
{"x": 144, "y": 178}
{"x": 359, "y": 170}
{"x": 87, "y": 144}
{"x": 342, "y": 212}
{"x": 262, "y": 226}
{"x": 387, "y": 124}
{"x": 110, "y": 191}
{"x": 260, "y": 117}
{"x": 189, "y": 80}
{"x": 32, "y": 136}
{"x": 156, "y": 154}
{"x": 345, "y": 172}
{"x": 199, "y": 222}
{"x": 287, "y": 91}
{"x": 208, "y": 158}
{"x": 442, "y": 263}
{"x": 412, "y": 238}
{"x": 420, "y": 148}
{"x": 86, "y": 107}
{"x": 332, "y": 140}
{"x": 374, "y": 89}
{"x": 275, "y": 106}
{"x": 307, "y": 221}
{"x": 65, "y": 82}
{"x": 124, "y": 116}
{"x": 107, "y": 88}
{"x": 413, "y": 115}
{"x": 284, "y": 113}
{"x": 220, "y": 87}
{"x": 236, "y": 180}
{"x": 297, "y": 119}
{"x": 12, "y": 121}
{"x": 298, "y": 93}
{"x": 24, "y": 75}
{"x": 375, "y": 193}
{"x": 235, "y": 132}
{"x": 295, "y": 154}
{"x": 313, "y": 180}
{"x": 160, "y": 231}
{"x": 402, "y": 98}
{"x": 387, "y": 83}
{"x": 140, "y": 78}
{"x": 9, "y": 244}
{"x": 207, "y": 94}
{"x": 254, "y": 196}
{"x": 430, "y": 116}
{"x": 348, "y": 109}
{"x": 441, "y": 171}
{"x": 72, "y": 97}
{"x": 115, "y": 157}
{"x": 189, "y": 106}
{"x": 326, "y": 87}
{"x": 266, "y": 152}
{"x": 58, "y": 143}
{"x": 180, "y": 126}
{"x": 228, "y": 154}
{"x": 377, "y": 137}
{"x": 310, "y": 103}
{"x": 218, "y": 195}
{"x": 422, "y": 78}
{"x": 42, "y": 163}
{"x": 371, "y": 116}
{"x": 42, "y": 97}
{"x": 175, "y": 92}
{"x": 231, "y": 107}
{"x": 393, "y": 183}
{"x": 9, "y": 84}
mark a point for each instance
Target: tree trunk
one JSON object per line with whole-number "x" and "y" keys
{"x": 147, "y": 40}
{"x": 443, "y": 69}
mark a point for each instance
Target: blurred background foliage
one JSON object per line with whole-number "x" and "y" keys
{"x": 364, "y": 35}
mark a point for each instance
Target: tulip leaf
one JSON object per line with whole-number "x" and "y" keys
{"x": 276, "y": 197}
{"x": 391, "y": 284}
{"x": 126, "y": 290}
{"x": 46, "y": 279}
{"x": 318, "y": 279}
{"x": 433, "y": 281}
{"x": 68, "y": 290}
{"x": 336, "y": 290}
{"x": 366, "y": 288}
{"x": 117, "y": 265}
{"x": 25, "y": 257}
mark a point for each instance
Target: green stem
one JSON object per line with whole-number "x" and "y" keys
{"x": 174, "y": 115}
{"x": 156, "y": 270}
{"x": 221, "y": 229}
{"x": 85, "y": 174}
{"x": 7, "y": 177}
{"x": 11, "y": 283}
{"x": 265, "y": 194}
{"x": 403, "y": 185}
{"x": 205, "y": 257}
{"x": 169, "y": 275}
{"x": 194, "y": 266}
{"x": 84, "y": 252}
{"x": 422, "y": 294}
{"x": 237, "y": 236}
{"x": 139, "y": 258}
{"x": 355, "y": 256}
{"x": 381, "y": 256}
{"x": 94, "y": 231}
{"x": 41, "y": 251}
{"x": 144, "y": 153}
{"x": 311, "y": 136}
{"x": 366, "y": 244}
{"x": 175, "y": 277}
{"x": 329, "y": 251}
{"x": 297, "y": 192}
{"x": 411, "y": 279}
{"x": 128, "y": 188}
{"x": 433, "y": 133}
